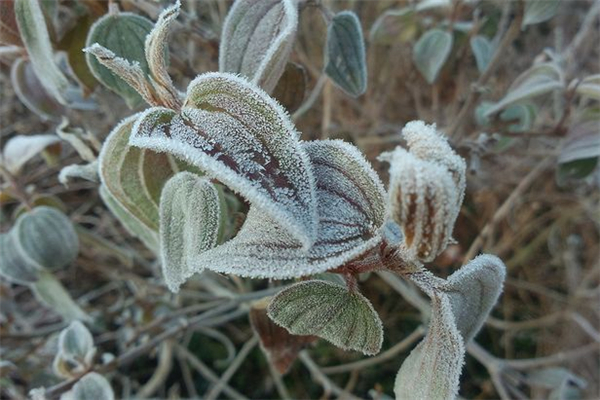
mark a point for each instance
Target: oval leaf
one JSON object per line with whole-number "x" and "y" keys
{"x": 537, "y": 11}
{"x": 123, "y": 34}
{"x": 257, "y": 40}
{"x": 324, "y": 309}
{"x": 345, "y": 63}
{"x": 187, "y": 228}
{"x": 51, "y": 292}
{"x": 590, "y": 87}
{"x": 20, "y": 149}
{"x": 235, "y": 132}
{"x": 483, "y": 50}
{"x": 75, "y": 341}
{"x": 431, "y": 52}
{"x": 15, "y": 265}
{"x": 92, "y": 386}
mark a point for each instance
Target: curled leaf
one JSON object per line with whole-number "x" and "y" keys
{"x": 431, "y": 52}
{"x": 89, "y": 172}
{"x": 345, "y": 58}
{"x": 92, "y": 386}
{"x": 20, "y": 149}
{"x": 346, "y": 319}
{"x": 257, "y": 40}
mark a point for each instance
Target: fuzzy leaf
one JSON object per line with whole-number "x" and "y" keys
{"x": 473, "y": 290}
{"x": 431, "y": 52}
{"x": 187, "y": 227}
{"x": 291, "y": 88}
{"x": 235, "y": 132}
{"x": 324, "y": 309}
{"x": 537, "y": 80}
{"x": 123, "y": 34}
{"x": 590, "y": 87}
{"x": 31, "y": 92}
{"x": 394, "y": 26}
{"x": 92, "y": 386}
{"x": 433, "y": 368}
{"x": 523, "y": 114}
{"x": 257, "y": 40}
{"x": 20, "y": 149}
{"x": 351, "y": 211}
{"x": 537, "y": 11}
{"x": 51, "y": 292}
{"x": 583, "y": 141}
{"x": 345, "y": 58}
{"x": 47, "y": 236}
{"x": 483, "y": 50}
{"x": 89, "y": 172}
{"x": 15, "y": 265}
{"x": 75, "y": 351}
{"x": 34, "y": 34}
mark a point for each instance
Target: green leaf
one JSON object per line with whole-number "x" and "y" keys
{"x": 483, "y": 50}
{"x": 431, "y": 52}
{"x": 523, "y": 114}
{"x": 76, "y": 351}
{"x": 577, "y": 169}
{"x": 291, "y": 88}
{"x": 537, "y": 11}
{"x": 473, "y": 290}
{"x": 51, "y": 292}
{"x": 346, "y": 319}
{"x": 433, "y": 368}
{"x": 47, "y": 236}
{"x": 582, "y": 142}
{"x": 19, "y": 149}
{"x": 187, "y": 228}
{"x": 346, "y": 64}
{"x": 257, "y": 40}
{"x": 394, "y": 26}
{"x": 92, "y": 386}
{"x": 234, "y": 131}
{"x": 123, "y": 34}
{"x": 15, "y": 265}
{"x": 590, "y": 87}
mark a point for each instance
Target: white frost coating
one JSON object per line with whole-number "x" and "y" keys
{"x": 235, "y": 132}
{"x": 351, "y": 209}
{"x": 20, "y": 149}
{"x": 257, "y": 40}
{"x": 190, "y": 216}
{"x": 88, "y": 172}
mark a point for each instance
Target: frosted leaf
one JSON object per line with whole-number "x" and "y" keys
{"x": 351, "y": 211}
{"x": 257, "y": 40}
{"x": 537, "y": 11}
{"x": 20, "y": 149}
{"x": 346, "y": 319}
{"x": 88, "y": 172}
{"x": 346, "y": 61}
{"x": 431, "y": 52}
{"x": 92, "y": 386}
{"x": 423, "y": 200}
{"x": 15, "y": 265}
{"x": 75, "y": 137}
{"x": 190, "y": 218}
{"x": 239, "y": 135}
{"x": 433, "y": 368}
{"x": 473, "y": 290}
{"x": 483, "y": 50}
{"x": 75, "y": 350}
{"x": 47, "y": 236}
{"x": 51, "y": 292}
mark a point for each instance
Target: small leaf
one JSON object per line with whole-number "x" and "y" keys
{"x": 75, "y": 137}
{"x": 473, "y": 290}
{"x": 20, "y": 149}
{"x": 394, "y": 26}
{"x": 537, "y": 80}
{"x": 75, "y": 351}
{"x": 431, "y": 52}
{"x": 483, "y": 50}
{"x": 187, "y": 228}
{"x": 590, "y": 87}
{"x": 582, "y": 142}
{"x": 51, "y": 292}
{"x": 291, "y": 88}
{"x": 89, "y": 172}
{"x": 537, "y": 11}
{"x": 345, "y": 58}
{"x": 257, "y": 40}
{"x": 523, "y": 114}
{"x": 577, "y": 169}
{"x": 31, "y": 92}
{"x": 123, "y": 34}
{"x": 346, "y": 319}
{"x": 433, "y": 368}
{"x": 15, "y": 265}
{"x": 92, "y": 386}
{"x": 235, "y": 132}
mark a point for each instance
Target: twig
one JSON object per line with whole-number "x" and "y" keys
{"x": 319, "y": 376}
{"x": 187, "y": 376}
{"x": 165, "y": 363}
{"x": 557, "y": 358}
{"x": 572, "y": 53}
{"x": 279, "y": 384}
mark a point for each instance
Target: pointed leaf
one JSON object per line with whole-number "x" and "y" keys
{"x": 351, "y": 211}
{"x": 345, "y": 58}
{"x": 20, "y": 149}
{"x": 291, "y": 88}
{"x": 431, "y": 52}
{"x": 235, "y": 132}
{"x": 537, "y": 11}
{"x": 346, "y": 319}
{"x": 483, "y": 50}
{"x": 473, "y": 290}
{"x": 257, "y": 40}
{"x": 123, "y": 34}
{"x": 190, "y": 217}
{"x": 92, "y": 386}
{"x": 15, "y": 265}
{"x": 433, "y": 368}
{"x": 51, "y": 292}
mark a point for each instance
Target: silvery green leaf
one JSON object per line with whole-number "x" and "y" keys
{"x": 537, "y": 80}
{"x": 190, "y": 218}
{"x": 34, "y": 34}
{"x": 76, "y": 351}
{"x": 51, "y": 292}
{"x": 123, "y": 34}
{"x": 431, "y": 52}
{"x": 346, "y": 64}
{"x": 15, "y": 265}
{"x": 429, "y": 4}
{"x": 75, "y": 137}
{"x": 92, "y": 386}
{"x": 32, "y": 93}
{"x": 346, "y": 319}
{"x": 20, "y": 149}
{"x": 582, "y": 142}
{"x": 89, "y": 172}
{"x": 473, "y": 290}
{"x": 235, "y": 132}
{"x": 537, "y": 11}
{"x": 394, "y": 26}
{"x": 433, "y": 368}
{"x": 483, "y": 50}
{"x": 351, "y": 210}
{"x": 523, "y": 114}
{"x": 590, "y": 87}
{"x": 257, "y": 40}
{"x": 47, "y": 236}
